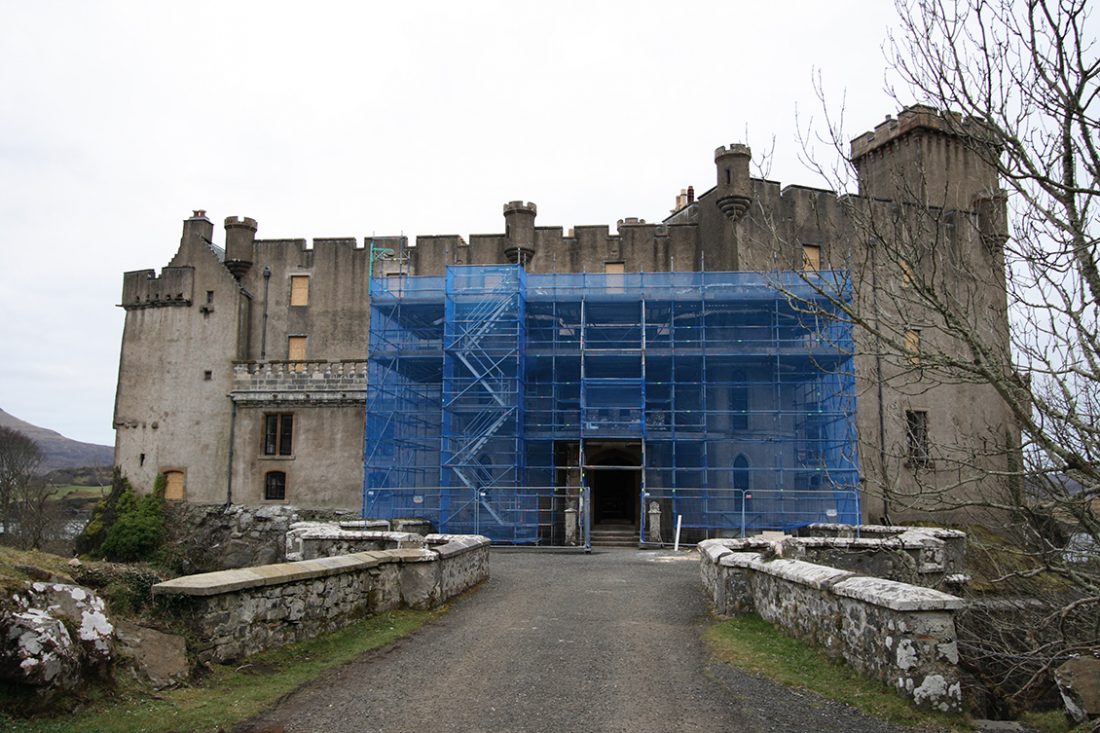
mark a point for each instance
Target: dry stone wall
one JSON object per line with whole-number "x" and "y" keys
{"x": 235, "y": 613}
{"x": 901, "y": 634}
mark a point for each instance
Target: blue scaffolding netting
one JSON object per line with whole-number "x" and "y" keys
{"x": 499, "y": 401}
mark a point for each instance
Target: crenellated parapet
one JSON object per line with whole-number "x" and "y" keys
{"x": 928, "y": 157}
{"x": 174, "y": 287}
{"x": 921, "y": 118}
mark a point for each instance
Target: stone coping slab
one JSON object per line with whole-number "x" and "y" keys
{"x": 821, "y": 577}
{"x": 324, "y": 531}
{"x": 381, "y": 524}
{"x": 227, "y": 581}
{"x": 450, "y": 545}
{"x": 875, "y": 591}
{"x": 942, "y": 533}
{"x": 896, "y": 596}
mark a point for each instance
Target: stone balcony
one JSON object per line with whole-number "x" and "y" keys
{"x": 307, "y": 382}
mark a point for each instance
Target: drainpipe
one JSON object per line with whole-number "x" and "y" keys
{"x": 229, "y": 469}
{"x": 263, "y": 331}
{"x": 881, "y": 390}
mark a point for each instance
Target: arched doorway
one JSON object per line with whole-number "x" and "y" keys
{"x": 614, "y": 476}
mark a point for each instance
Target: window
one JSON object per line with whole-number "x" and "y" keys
{"x": 209, "y": 296}
{"x": 741, "y": 473}
{"x": 296, "y": 348}
{"x": 207, "y": 375}
{"x": 912, "y": 345}
{"x": 811, "y": 257}
{"x": 173, "y": 485}
{"x": 916, "y": 428}
{"x": 275, "y": 486}
{"x": 299, "y": 289}
{"x": 279, "y": 435}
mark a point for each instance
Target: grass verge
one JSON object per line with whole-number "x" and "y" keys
{"x": 752, "y": 644}
{"x": 230, "y": 694}
{"x": 75, "y": 491}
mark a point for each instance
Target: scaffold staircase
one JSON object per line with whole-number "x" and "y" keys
{"x": 482, "y": 401}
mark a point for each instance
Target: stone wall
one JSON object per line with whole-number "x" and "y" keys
{"x": 901, "y": 634}
{"x": 927, "y": 556}
{"x": 207, "y": 537}
{"x": 310, "y": 540}
{"x": 235, "y": 613}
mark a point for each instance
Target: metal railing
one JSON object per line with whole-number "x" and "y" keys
{"x": 563, "y": 516}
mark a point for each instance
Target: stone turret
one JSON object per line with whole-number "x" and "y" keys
{"x": 734, "y": 185}
{"x": 519, "y": 230}
{"x": 240, "y": 236}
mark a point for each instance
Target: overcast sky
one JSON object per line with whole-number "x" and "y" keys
{"x": 351, "y": 119}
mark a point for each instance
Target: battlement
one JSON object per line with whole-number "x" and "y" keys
{"x": 241, "y": 222}
{"x": 520, "y": 207}
{"x": 732, "y": 149}
{"x": 145, "y": 289}
{"x": 918, "y": 118}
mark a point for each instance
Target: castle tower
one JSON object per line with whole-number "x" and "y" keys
{"x": 734, "y": 186}
{"x": 519, "y": 230}
{"x": 240, "y": 235}
{"x": 929, "y": 158}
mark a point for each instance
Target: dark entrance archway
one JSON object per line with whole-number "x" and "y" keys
{"x": 614, "y": 476}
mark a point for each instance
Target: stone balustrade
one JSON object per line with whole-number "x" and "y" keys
{"x": 343, "y": 381}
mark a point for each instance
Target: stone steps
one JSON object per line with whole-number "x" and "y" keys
{"x": 615, "y": 536}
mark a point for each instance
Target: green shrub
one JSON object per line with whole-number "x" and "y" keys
{"x": 126, "y": 527}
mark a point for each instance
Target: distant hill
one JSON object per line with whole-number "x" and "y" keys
{"x": 57, "y": 450}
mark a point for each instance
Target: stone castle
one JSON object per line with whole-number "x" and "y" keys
{"x": 243, "y": 368}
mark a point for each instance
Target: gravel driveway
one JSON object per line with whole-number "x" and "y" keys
{"x": 561, "y": 642}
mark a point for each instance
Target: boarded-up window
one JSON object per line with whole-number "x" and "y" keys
{"x": 173, "y": 485}
{"x": 296, "y": 348}
{"x": 811, "y": 257}
{"x": 299, "y": 290}
{"x": 912, "y": 345}
{"x": 615, "y": 270}
{"x": 906, "y": 273}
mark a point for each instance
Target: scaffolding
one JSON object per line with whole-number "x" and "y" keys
{"x": 520, "y": 406}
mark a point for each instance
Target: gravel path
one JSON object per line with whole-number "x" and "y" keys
{"x": 559, "y": 642}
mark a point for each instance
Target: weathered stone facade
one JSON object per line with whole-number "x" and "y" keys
{"x": 226, "y": 347}
{"x": 901, "y": 634}
{"x": 235, "y": 613}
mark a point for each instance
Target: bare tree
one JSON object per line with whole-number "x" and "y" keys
{"x": 20, "y": 459}
{"x": 995, "y": 289}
